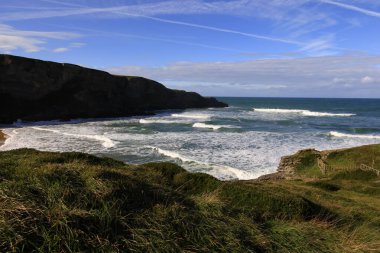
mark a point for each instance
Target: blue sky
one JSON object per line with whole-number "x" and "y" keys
{"x": 291, "y": 48}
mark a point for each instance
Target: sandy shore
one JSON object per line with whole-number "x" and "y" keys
{"x": 3, "y": 137}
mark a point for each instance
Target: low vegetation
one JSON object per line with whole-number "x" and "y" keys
{"x": 74, "y": 202}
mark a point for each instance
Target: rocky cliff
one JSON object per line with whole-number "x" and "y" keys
{"x": 40, "y": 90}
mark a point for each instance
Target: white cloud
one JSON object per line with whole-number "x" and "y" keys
{"x": 368, "y": 80}
{"x": 217, "y": 29}
{"x": 311, "y": 76}
{"x": 8, "y": 43}
{"x": 29, "y": 41}
{"x": 77, "y": 44}
{"x": 295, "y": 22}
{"x": 148, "y": 11}
{"x": 236, "y": 7}
{"x": 292, "y": 18}
{"x": 60, "y": 50}
{"x": 71, "y": 46}
{"x": 320, "y": 46}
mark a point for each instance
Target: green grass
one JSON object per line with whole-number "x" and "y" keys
{"x": 74, "y": 202}
{"x": 307, "y": 163}
{"x": 369, "y": 155}
{"x": 342, "y": 160}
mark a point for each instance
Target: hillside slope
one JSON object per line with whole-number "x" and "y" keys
{"x": 40, "y": 90}
{"x": 72, "y": 202}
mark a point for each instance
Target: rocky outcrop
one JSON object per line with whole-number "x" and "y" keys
{"x": 40, "y": 90}
{"x": 289, "y": 164}
{"x": 2, "y": 138}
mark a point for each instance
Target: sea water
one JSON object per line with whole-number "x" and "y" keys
{"x": 243, "y": 141}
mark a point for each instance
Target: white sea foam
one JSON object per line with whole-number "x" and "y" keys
{"x": 303, "y": 112}
{"x": 106, "y": 142}
{"x": 159, "y": 121}
{"x": 220, "y": 171}
{"x": 225, "y": 172}
{"x": 10, "y": 135}
{"x": 343, "y": 135}
{"x": 209, "y": 126}
{"x": 170, "y": 154}
{"x": 191, "y": 116}
{"x": 253, "y": 152}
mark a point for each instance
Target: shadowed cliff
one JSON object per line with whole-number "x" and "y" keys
{"x": 40, "y": 90}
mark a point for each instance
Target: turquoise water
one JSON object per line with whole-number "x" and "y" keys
{"x": 243, "y": 141}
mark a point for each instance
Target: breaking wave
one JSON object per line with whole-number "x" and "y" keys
{"x": 106, "y": 142}
{"x": 303, "y": 112}
{"x": 219, "y": 171}
{"x": 159, "y": 121}
{"x": 343, "y": 135}
{"x": 209, "y": 126}
{"x": 191, "y": 116}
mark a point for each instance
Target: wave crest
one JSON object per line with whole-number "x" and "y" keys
{"x": 343, "y": 135}
{"x": 209, "y": 126}
{"x": 303, "y": 112}
{"x": 220, "y": 171}
{"x": 191, "y": 116}
{"x": 158, "y": 121}
{"x": 106, "y": 142}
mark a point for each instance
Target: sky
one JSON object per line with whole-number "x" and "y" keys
{"x": 249, "y": 48}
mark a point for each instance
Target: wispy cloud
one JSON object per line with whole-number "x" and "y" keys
{"x": 9, "y": 43}
{"x": 233, "y": 8}
{"x": 151, "y": 10}
{"x": 348, "y": 75}
{"x": 9, "y": 30}
{"x": 217, "y": 29}
{"x": 369, "y": 80}
{"x": 320, "y": 46}
{"x": 29, "y": 41}
{"x": 61, "y": 50}
{"x": 353, "y": 8}
{"x": 69, "y": 47}
{"x": 294, "y": 22}
{"x": 94, "y": 32}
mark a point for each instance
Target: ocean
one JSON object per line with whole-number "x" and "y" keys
{"x": 243, "y": 141}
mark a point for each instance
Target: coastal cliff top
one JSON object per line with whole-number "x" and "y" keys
{"x": 77, "y": 202}
{"x": 33, "y": 90}
{"x": 311, "y": 163}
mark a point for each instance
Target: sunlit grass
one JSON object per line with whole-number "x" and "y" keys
{"x": 73, "y": 202}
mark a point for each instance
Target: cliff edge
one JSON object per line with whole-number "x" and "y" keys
{"x": 75, "y": 202}
{"x": 33, "y": 90}
{"x": 311, "y": 163}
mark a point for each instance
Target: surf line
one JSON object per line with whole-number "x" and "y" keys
{"x": 236, "y": 173}
{"x": 303, "y": 112}
{"x": 106, "y": 142}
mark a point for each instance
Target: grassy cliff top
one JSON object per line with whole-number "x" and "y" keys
{"x": 72, "y": 202}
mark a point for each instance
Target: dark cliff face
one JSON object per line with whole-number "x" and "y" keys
{"x": 40, "y": 90}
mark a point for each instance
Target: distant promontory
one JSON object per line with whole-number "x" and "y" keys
{"x": 34, "y": 90}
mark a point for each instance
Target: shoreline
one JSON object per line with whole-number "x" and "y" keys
{"x": 286, "y": 168}
{"x": 278, "y": 174}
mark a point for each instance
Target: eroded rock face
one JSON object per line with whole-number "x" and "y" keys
{"x": 40, "y": 90}
{"x": 288, "y": 164}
